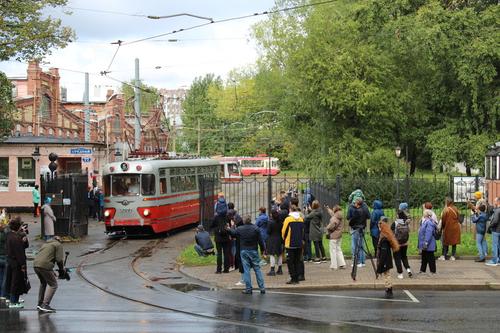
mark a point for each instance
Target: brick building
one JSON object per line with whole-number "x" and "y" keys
{"x": 46, "y": 122}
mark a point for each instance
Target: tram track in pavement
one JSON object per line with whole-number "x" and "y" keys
{"x": 142, "y": 252}
{"x": 191, "y": 304}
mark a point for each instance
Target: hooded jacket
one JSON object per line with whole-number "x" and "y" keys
{"x": 377, "y": 213}
{"x": 293, "y": 231}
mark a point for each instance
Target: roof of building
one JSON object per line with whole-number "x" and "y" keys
{"x": 30, "y": 139}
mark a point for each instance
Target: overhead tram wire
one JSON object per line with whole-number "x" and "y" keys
{"x": 230, "y": 19}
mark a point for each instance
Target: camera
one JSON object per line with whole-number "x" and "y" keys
{"x": 24, "y": 228}
{"x": 64, "y": 274}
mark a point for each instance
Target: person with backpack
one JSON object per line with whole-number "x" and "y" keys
{"x": 274, "y": 244}
{"x": 377, "y": 213}
{"x": 235, "y": 221}
{"x": 401, "y": 229}
{"x": 357, "y": 215}
{"x": 293, "y": 236}
{"x": 427, "y": 242}
{"x": 387, "y": 244}
{"x": 220, "y": 224}
{"x": 479, "y": 218}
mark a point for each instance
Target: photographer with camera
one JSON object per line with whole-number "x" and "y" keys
{"x": 51, "y": 252}
{"x": 357, "y": 215}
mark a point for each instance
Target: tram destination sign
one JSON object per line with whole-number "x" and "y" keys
{"x": 80, "y": 151}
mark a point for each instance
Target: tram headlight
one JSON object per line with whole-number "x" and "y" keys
{"x": 107, "y": 213}
{"x": 146, "y": 212}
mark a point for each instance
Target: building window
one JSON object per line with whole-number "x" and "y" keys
{"x": 25, "y": 173}
{"x": 45, "y": 107}
{"x": 30, "y": 130}
{"x": 68, "y": 134}
{"x": 42, "y": 130}
{"x": 51, "y": 131}
{"x": 60, "y": 133}
{"x": 4, "y": 173}
{"x": 75, "y": 135}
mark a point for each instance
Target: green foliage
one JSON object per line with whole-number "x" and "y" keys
{"x": 149, "y": 97}
{"x": 25, "y": 34}
{"x": 356, "y": 79}
{"x": 7, "y": 106}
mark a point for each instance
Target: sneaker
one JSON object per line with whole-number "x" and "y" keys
{"x": 239, "y": 283}
{"x": 16, "y": 305}
{"x": 452, "y": 258}
{"x": 231, "y": 269}
{"x": 400, "y": 276}
{"x": 491, "y": 263}
{"x": 317, "y": 261}
{"x": 361, "y": 265}
{"x": 262, "y": 291}
{"x": 45, "y": 308}
{"x": 21, "y": 300}
{"x": 342, "y": 267}
{"x": 480, "y": 260}
{"x": 410, "y": 274}
{"x": 247, "y": 292}
{"x": 324, "y": 259}
{"x": 442, "y": 258}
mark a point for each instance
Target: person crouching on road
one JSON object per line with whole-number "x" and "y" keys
{"x": 249, "y": 237}
{"x": 427, "y": 242}
{"x": 293, "y": 236}
{"x": 51, "y": 252}
{"x": 387, "y": 244}
{"x": 204, "y": 245}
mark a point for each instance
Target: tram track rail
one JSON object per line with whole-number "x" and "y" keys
{"x": 145, "y": 251}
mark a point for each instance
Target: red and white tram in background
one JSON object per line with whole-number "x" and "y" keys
{"x": 259, "y": 165}
{"x": 153, "y": 196}
{"x": 229, "y": 168}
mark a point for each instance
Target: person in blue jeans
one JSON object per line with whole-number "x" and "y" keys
{"x": 495, "y": 235}
{"x": 249, "y": 236}
{"x": 480, "y": 218}
{"x": 357, "y": 215}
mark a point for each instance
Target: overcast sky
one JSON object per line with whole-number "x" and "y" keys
{"x": 216, "y": 48}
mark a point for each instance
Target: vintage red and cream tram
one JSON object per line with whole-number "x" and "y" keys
{"x": 153, "y": 196}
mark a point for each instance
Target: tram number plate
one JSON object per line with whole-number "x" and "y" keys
{"x": 126, "y": 210}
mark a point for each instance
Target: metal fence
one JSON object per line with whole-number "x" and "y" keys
{"x": 254, "y": 192}
{"x": 69, "y": 203}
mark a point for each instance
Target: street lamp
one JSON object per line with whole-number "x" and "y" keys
{"x": 36, "y": 154}
{"x": 397, "y": 150}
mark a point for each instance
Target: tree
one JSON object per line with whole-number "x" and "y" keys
{"x": 199, "y": 114}
{"x": 25, "y": 34}
{"x": 7, "y": 106}
{"x": 150, "y": 97}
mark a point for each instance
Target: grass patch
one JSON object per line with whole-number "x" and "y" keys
{"x": 189, "y": 257}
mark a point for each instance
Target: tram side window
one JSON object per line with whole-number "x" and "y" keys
{"x": 163, "y": 185}
{"x": 106, "y": 182}
{"x": 148, "y": 184}
{"x": 183, "y": 183}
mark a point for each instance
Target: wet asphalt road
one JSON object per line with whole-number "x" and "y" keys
{"x": 161, "y": 306}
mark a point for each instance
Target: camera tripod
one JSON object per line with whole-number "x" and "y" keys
{"x": 357, "y": 250}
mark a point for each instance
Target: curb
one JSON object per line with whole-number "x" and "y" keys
{"x": 379, "y": 284}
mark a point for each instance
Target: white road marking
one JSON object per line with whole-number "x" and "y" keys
{"x": 413, "y": 298}
{"x": 344, "y": 296}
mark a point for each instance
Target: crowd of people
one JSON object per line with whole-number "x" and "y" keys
{"x": 288, "y": 232}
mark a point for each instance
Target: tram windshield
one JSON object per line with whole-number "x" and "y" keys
{"x": 233, "y": 169}
{"x": 129, "y": 185}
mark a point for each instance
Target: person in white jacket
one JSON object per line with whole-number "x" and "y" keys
{"x": 48, "y": 220}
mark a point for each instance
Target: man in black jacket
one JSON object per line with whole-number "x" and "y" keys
{"x": 357, "y": 215}
{"x": 220, "y": 224}
{"x": 249, "y": 237}
{"x": 203, "y": 246}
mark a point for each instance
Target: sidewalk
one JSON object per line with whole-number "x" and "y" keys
{"x": 451, "y": 275}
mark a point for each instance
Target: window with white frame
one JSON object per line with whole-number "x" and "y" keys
{"x": 25, "y": 173}
{"x": 4, "y": 173}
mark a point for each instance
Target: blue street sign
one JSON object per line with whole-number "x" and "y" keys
{"x": 86, "y": 159}
{"x": 80, "y": 151}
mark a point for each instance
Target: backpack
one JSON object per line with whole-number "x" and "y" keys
{"x": 402, "y": 232}
{"x": 221, "y": 208}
